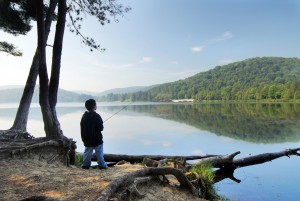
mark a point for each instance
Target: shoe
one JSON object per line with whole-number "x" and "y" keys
{"x": 85, "y": 167}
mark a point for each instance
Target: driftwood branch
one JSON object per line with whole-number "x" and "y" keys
{"x": 266, "y": 157}
{"x": 139, "y": 158}
{"x": 228, "y": 161}
{"x": 228, "y": 168}
{"x": 221, "y": 161}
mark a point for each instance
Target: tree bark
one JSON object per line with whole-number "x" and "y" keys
{"x": 57, "y": 53}
{"x": 51, "y": 123}
{"x": 228, "y": 161}
{"x": 221, "y": 161}
{"x": 43, "y": 75}
{"x": 56, "y": 64}
{"x": 20, "y": 122}
{"x": 266, "y": 157}
{"x": 139, "y": 158}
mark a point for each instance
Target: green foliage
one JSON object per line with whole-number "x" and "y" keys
{"x": 9, "y": 48}
{"x": 15, "y": 16}
{"x": 206, "y": 174}
{"x": 257, "y": 79}
{"x": 78, "y": 159}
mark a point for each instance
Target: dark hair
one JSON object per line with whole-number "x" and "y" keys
{"x": 90, "y": 104}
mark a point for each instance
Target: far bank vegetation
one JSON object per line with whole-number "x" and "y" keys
{"x": 257, "y": 79}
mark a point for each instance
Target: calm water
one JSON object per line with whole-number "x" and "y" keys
{"x": 196, "y": 129}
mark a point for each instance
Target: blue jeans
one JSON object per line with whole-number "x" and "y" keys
{"x": 88, "y": 153}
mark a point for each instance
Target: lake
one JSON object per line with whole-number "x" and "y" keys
{"x": 195, "y": 129}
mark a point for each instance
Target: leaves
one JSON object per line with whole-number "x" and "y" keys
{"x": 9, "y": 48}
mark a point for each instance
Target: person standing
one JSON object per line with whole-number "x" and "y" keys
{"x": 91, "y": 125}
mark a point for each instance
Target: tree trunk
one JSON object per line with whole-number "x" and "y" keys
{"x": 21, "y": 118}
{"x": 57, "y": 52}
{"x": 20, "y": 122}
{"x": 51, "y": 123}
{"x": 56, "y": 63}
{"x": 48, "y": 119}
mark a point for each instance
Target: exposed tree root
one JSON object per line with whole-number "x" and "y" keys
{"x": 38, "y": 149}
{"x": 14, "y": 134}
{"x": 114, "y": 185}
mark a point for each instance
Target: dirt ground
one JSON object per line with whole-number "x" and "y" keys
{"x": 23, "y": 179}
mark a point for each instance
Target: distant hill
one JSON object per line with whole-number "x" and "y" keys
{"x": 125, "y": 90}
{"x": 13, "y": 94}
{"x": 266, "y": 78}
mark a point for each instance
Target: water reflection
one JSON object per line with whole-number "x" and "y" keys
{"x": 258, "y": 123}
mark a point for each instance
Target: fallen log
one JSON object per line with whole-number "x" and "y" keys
{"x": 139, "y": 158}
{"x": 262, "y": 158}
{"x": 221, "y": 161}
{"x": 228, "y": 161}
{"x": 228, "y": 168}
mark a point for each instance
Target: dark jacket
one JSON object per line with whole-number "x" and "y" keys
{"x": 91, "y": 125}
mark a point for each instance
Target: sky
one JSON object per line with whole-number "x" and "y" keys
{"x": 161, "y": 41}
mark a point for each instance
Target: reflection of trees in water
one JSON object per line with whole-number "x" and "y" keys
{"x": 259, "y": 123}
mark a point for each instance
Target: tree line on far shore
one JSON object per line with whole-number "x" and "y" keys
{"x": 266, "y": 79}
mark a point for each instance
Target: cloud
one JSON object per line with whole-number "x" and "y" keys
{"x": 225, "y": 36}
{"x": 175, "y": 62}
{"x": 197, "y": 48}
{"x": 146, "y": 60}
{"x": 166, "y": 144}
{"x": 147, "y": 143}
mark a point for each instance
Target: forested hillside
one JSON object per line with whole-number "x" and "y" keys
{"x": 267, "y": 78}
